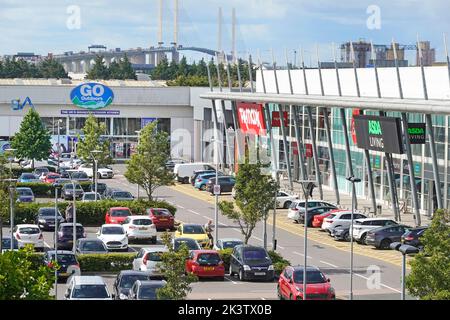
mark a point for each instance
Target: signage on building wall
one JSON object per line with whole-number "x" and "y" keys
{"x": 17, "y": 105}
{"x": 92, "y": 96}
{"x": 294, "y": 148}
{"x": 251, "y": 118}
{"x": 308, "y": 150}
{"x": 417, "y": 133}
{"x": 379, "y": 134}
{"x": 94, "y": 112}
{"x": 276, "y": 123}
{"x": 356, "y": 112}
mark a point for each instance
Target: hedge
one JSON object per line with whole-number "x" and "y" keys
{"x": 88, "y": 213}
{"x": 46, "y": 190}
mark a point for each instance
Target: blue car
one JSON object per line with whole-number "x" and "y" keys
{"x": 202, "y": 180}
{"x": 28, "y": 178}
{"x": 25, "y": 195}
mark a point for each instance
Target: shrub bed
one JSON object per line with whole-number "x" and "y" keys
{"x": 46, "y": 190}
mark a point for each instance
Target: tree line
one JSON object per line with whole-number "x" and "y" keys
{"x": 122, "y": 70}
{"x": 19, "y": 68}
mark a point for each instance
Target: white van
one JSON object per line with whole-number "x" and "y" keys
{"x": 183, "y": 171}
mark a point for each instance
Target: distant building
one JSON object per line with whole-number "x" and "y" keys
{"x": 428, "y": 54}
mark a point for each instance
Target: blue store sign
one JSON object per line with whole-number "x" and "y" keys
{"x": 92, "y": 96}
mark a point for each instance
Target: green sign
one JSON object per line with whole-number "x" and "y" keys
{"x": 417, "y": 133}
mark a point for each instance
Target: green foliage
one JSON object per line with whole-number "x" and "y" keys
{"x": 189, "y": 81}
{"x": 430, "y": 269}
{"x": 255, "y": 196}
{"x": 225, "y": 255}
{"x": 173, "y": 269}
{"x": 111, "y": 262}
{"x": 4, "y": 185}
{"x": 91, "y": 140}
{"x": 99, "y": 70}
{"x": 147, "y": 167}
{"x": 33, "y": 140}
{"x": 22, "y": 279}
{"x": 18, "y": 68}
{"x": 279, "y": 263}
{"x": 51, "y": 68}
{"x": 122, "y": 70}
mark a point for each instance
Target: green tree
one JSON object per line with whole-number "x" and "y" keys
{"x": 99, "y": 70}
{"x": 114, "y": 71}
{"x": 255, "y": 197}
{"x": 126, "y": 69}
{"x": 91, "y": 139}
{"x": 50, "y": 68}
{"x": 147, "y": 167}
{"x": 4, "y": 184}
{"x": 172, "y": 267}
{"x": 20, "y": 280}
{"x": 430, "y": 269}
{"x": 33, "y": 139}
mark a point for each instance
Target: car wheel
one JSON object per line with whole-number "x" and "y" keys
{"x": 203, "y": 187}
{"x": 99, "y": 176}
{"x": 287, "y": 204}
{"x": 280, "y": 296}
{"x": 241, "y": 275}
{"x": 154, "y": 240}
{"x": 347, "y": 236}
{"x": 362, "y": 240}
{"x": 186, "y": 180}
{"x": 231, "y": 272}
{"x": 385, "y": 244}
{"x": 297, "y": 221}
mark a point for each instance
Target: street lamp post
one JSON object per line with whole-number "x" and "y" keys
{"x": 56, "y": 240}
{"x": 11, "y": 195}
{"x": 94, "y": 170}
{"x": 59, "y": 145}
{"x": 74, "y": 219}
{"x": 353, "y": 180}
{"x": 139, "y": 140}
{"x": 216, "y": 194}
{"x": 405, "y": 250}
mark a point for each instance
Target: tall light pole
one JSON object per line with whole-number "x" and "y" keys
{"x": 139, "y": 140}
{"x": 353, "y": 180}
{"x": 55, "y": 236}
{"x": 216, "y": 191}
{"x": 11, "y": 195}
{"x": 94, "y": 170}
{"x": 59, "y": 145}
{"x": 74, "y": 218}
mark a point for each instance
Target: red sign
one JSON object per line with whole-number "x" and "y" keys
{"x": 309, "y": 150}
{"x": 276, "y": 119}
{"x": 294, "y": 148}
{"x": 356, "y": 112}
{"x": 251, "y": 118}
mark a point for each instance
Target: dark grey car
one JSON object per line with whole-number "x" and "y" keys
{"x": 381, "y": 238}
{"x": 251, "y": 263}
{"x": 45, "y": 218}
{"x": 91, "y": 246}
{"x": 125, "y": 280}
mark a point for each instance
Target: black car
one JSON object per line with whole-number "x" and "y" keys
{"x": 341, "y": 233}
{"x": 101, "y": 188}
{"x": 145, "y": 290}
{"x": 381, "y": 238}
{"x": 64, "y": 173}
{"x": 312, "y": 212}
{"x": 226, "y": 184}
{"x": 199, "y": 172}
{"x": 91, "y": 246}
{"x": 45, "y": 218}
{"x": 6, "y": 244}
{"x": 125, "y": 280}
{"x": 251, "y": 263}
{"x": 67, "y": 262}
{"x": 412, "y": 237}
{"x": 79, "y": 176}
{"x": 67, "y": 191}
{"x": 65, "y": 235}
{"x": 119, "y": 195}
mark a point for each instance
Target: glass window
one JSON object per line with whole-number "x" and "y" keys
{"x": 120, "y": 126}
{"x": 164, "y": 125}
{"x": 134, "y": 124}
{"x": 311, "y": 276}
{"x": 62, "y": 126}
{"x": 127, "y": 281}
{"x": 90, "y": 292}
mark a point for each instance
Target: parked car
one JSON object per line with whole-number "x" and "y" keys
{"x": 170, "y": 165}
{"x": 381, "y": 238}
{"x": 65, "y": 235}
{"x": 412, "y": 237}
{"x": 145, "y": 290}
{"x": 79, "y": 176}
{"x": 113, "y": 236}
{"x": 202, "y": 180}
{"x": 227, "y": 243}
{"x": 45, "y": 218}
{"x": 6, "y": 244}
{"x": 190, "y": 243}
{"x": 148, "y": 260}
{"x": 101, "y": 188}
{"x": 284, "y": 200}
{"x": 40, "y": 170}
{"x": 90, "y": 196}
{"x": 340, "y": 219}
{"x": 28, "y": 178}
{"x": 64, "y": 174}
{"x": 362, "y": 226}
{"x": 312, "y": 212}
{"x": 29, "y": 234}
{"x": 299, "y": 205}
{"x": 161, "y": 218}
{"x": 226, "y": 184}
{"x": 183, "y": 171}
{"x": 205, "y": 264}
{"x": 140, "y": 228}
{"x": 121, "y": 196}
{"x": 91, "y": 246}
{"x": 318, "y": 287}
{"x": 251, "y": 262}
{"x": 318, "y": 219}
{"x": 87, "y": 288}
{"x": 341, "y": 233}
{"x": 67, "y": 262}
{"x": 125, "y": 280}
{"x": 51, "y": 177}
{"x": 24, "y": 194}
{"x": 61, "y": 181}
{"x": 68, "y": 190}
{"x": 102, "y": 172}
{"x": 193, "y": 231}
{"x": 117, "y": 215}
{"x": 193, "y": 178}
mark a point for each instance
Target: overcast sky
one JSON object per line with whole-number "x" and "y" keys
{"x": 44, "y": 26}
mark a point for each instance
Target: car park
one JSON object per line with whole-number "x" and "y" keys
{"x": 318, "y": 219}
{"x": 61, "y": 181}
{"x": 312, "y": 212}
{"x": 90, "y": 196}
{"x": 190, "y": 243}
{"x": 101, "y": 188}
{"x": 299, "y": 205}
{"x": 341, "y": 233}
{"x": 205, "y": 264}
{"x": 119, "y": 195}
{"x": 362, "y": 226}
{"x": 6, "y": 244}
{"x": 149, "y": 259}
{"x": 251, "y": 263}
{"x": 381, "y": 238}
{"x": 65, "y": 235}
{"x": 67, "y": 262}
{"x": 226, "y": 184}
{"x": 202, "y": 180}
{"x": 117, "y": 215}
{"x": 79, "y": 176}
{"x": 340, "y": 219}
{"x": 28, "y": 178}
{"x": 87, "y": 288}
{"x": 91, "y": 246}
{"x": 413, "y": 236}
{"x": 199, "y": 173}
{"x": 183, "y": 171}
{"x": 45, "y": 218}
{"x": 145, "y": 290}
{"x": 40, "y": 170}
{"x": 318, "y": 287}
{"x": 113, "y": 236}
{"x": 102, "y": 172}
{"x": 125, "y": 280}
{"x": 51, "y": 177}
{"x": 227, "y": 243}
{"x": 140, "y": 228}
{"x": 284, "y": 200}
{"x": 25, "y": 194}
{"x": 170, "y": 165}
{"x": 193, "y": 231}
{"x": 68, "y": 190}
{"x": 29, "y": 234}
{"x": 161, "y": 218}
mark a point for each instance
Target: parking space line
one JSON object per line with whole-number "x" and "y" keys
{"x": 223, "y": 224}
{"x": 383, "y": 285}
{"x": 301, "y": 254}
{"x": 232, "y": 281}
{"x": 196, "y": 213}
{"x": 282, "y": 248}
{"x": 206, "y": 217}
{"x": 47, "y": 245}
{"x": 257, "y": 238}
{"x": 327, "y": 263}
{"x": 181, "y": 207}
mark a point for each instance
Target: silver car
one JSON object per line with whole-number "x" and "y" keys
{"x": 148, "y": 259}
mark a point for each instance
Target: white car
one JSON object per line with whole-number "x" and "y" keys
{"x": 285, "y": 200}
{"x": 87, "y": 288}
{"x": 105, "y": 173}
{"x": 29, "y": 234}
{"x": 113, "y": 236}
{"x": 299, "y": 205}
{"x": 140, "y": 228}
{"x": 340, "y": 219}
{"x": 148, "y": 259}
{"x": 362, "y": 226}
{"x": 90, "y": 197}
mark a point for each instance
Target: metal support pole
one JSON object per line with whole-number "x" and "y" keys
{"x": 59, "y": 147}
{"x": 250, "y": 73}
{"x": 96, "y": 177}
{"x": 351, "y": 238}
{"x": 55, "y": 237}
{"x": 234, "y": 111}
{"x": 11, "y": 206}
{"x": 403, "y": 297}
{"x": 274, "y": 221}
{"x": 74, "y": 245}
{"x": 315, "y": 153}
{"x": 301, "y": 153}
{"x": 305, "y": 244}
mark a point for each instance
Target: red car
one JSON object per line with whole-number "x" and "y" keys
{"x": 318, "y": 220}
{"x": 318, "y": 287}
{"x": 117, "y": 215}
{"x": 161, "y": 218}
{"x": 205, "y": 264}
{"x": 51, "y": 177}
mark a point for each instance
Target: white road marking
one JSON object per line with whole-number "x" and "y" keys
{"x": 207, "y": 218}
{"x": 257, "y": 238}
{"x": 181, "y": 207}
{"x": 229, "y": 279}
{"x": 237, "y": 230}
{"x": 327, "y": 263}
{"x": 383, "y": 285}
{"x": 196, "y": 213}
{"x": 301, "y": 254}
{"x": 282, "y": 248}
{"x": 223, "y": 224}
{"x": 47, "y": 245}
{"x": 263, "y": 298}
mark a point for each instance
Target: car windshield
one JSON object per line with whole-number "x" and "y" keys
{"x": 93, "y": 246}
{"x": 25, "y": 192}
{"x": 90, "y": 196}
{"x": 230, "y": 244}
{"x": 128, "y": 280}
{"x": 142, "y": 222}
{"x": 28, "y": 176}
{"x": 77, "y": 175}
{"x": 70, "y": 187}
{"x": 6, "y": 243}
{"x": 193, "y": 229}
{"x": 50, "y": 212}
{"x": 69, "y": 230}
{"x": 90, "y": 292}
{"x": 148, "y": 292}
{"x": 191, "y": 245}
{"x": 120, "y": 213}
{"x": 161, "y": 212}
{"x": 122, "y": 195}
{"x": 112, "y": 230}
{"x": 154, "y": 256}
{"x": 29, "y": 230}
{"x": 208, "y": 258}
{"x": 312, "y": 277}
{"x": 255, "y": 254}
{"x": 65, "y": 258}
{"x": 52, "y": 176}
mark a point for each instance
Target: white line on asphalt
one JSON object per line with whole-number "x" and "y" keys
{"x": 192, "y": 211}
{"x": 229, "y": 279}
{"x": 301, "y": 254}
{"x": 47, "y": 245}
{"x": 236, "y": 230}
{"x": 206, "y": 217}
{"x": 263, "y": 298}
{"x": 383, "y": 285}
{"x": 181, "y": 207}
{"x": 257, "y": 238}
{"x": 327, "y": 263}
{"x": 282, "y": 248}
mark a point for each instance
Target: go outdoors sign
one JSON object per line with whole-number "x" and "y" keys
{"x": 92, "y": 96}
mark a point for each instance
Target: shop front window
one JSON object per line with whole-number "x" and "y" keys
{"x": 120, "y": 126}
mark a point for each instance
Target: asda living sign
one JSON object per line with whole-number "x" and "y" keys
{"x": 379, "y": 133}
{"x": 417, "y": 133}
